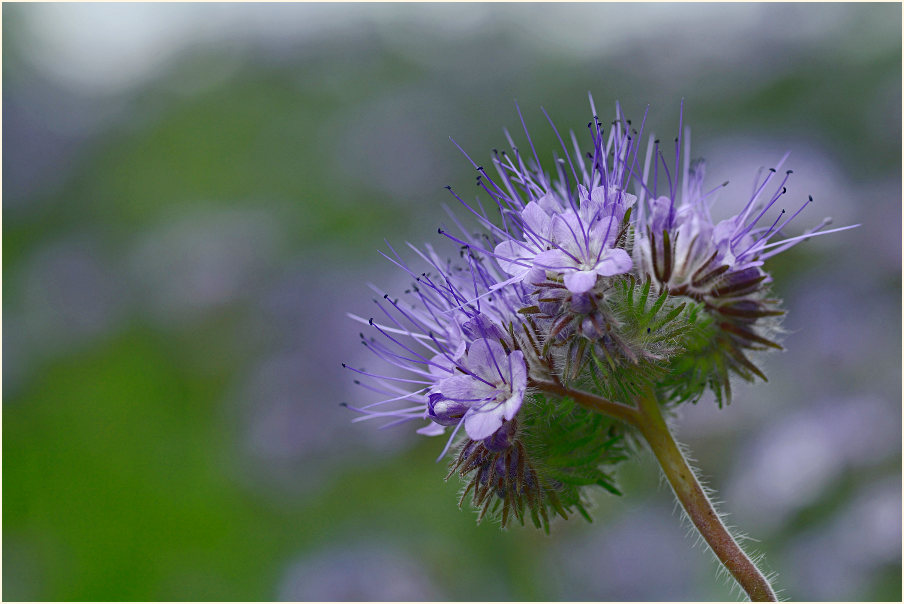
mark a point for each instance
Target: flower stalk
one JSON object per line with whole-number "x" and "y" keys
{"x": 648, "y": 419}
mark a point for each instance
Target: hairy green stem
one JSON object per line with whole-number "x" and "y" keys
{"x": 620, "y": 411}
{"x": 697, "y": 505}
{"x": 648, "y": 419}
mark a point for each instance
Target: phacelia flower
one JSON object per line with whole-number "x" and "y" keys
{"x": 574, "y": 243}
{"x": 487, "y": 388}
{"x": 597, "y": 278}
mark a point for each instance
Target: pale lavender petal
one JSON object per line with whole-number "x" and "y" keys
{"x": 659, "y": 215}
{"x": 554, "y": 260}
{"x": 480, "y": 424}
{"x": 617, "y": 198}
{"x": 579, "y": 282}
{"x": 535, "y": 275}
{"x": 598, "y": 196}
{"x": 440, "y": 367}
{"x": 518, "y": 372}
{"x": 517, "y": 382}
{"x": 536, "y": 218}
{"x": 465, "y": 388}
{"x": 549, "y": 203}
{"x": 604, "y": 232}
{"x": 511, "y": 407}
{"x": 567, "y": 231}
{"x": 725, "y": 230}
{"x": 484, "y": 357}
{"x": 431, "y": 429}
{"x": 481, "y": 326}
{"x": 627, "y": 200}
{"x": 614, "y": 262}
{"x": 510, "y": 257}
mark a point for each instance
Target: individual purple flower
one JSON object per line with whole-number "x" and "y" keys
{"x": 576, "y": 244}
{"x": 584, "y": 250}
{"x": 489, "y": 389}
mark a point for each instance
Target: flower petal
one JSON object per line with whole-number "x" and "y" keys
{"x": 465, "y": 389}
{"x": 480, "y": 424}
{"x": 511, "y": 257}
{"x": 511, "y": 407}
{"x": 553, "y": 260}
{"x": 549, "y": 203}
{"x": 440, "y": 367}
{"x": 431, "y": 429}
{"x": 579, "y": 282}
{"x": 536, "y": 219}
{"x": 614, "y": 262}
{"x": 568, "y": 232}
{"x": 517, "y": 372}
{"x": 484, "y": 357}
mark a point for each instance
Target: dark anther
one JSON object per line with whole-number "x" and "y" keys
{"x": 656, "y": 142}
{"x": 386, "y": 296}
{"x": 648, "y": 330}
{"x": 344, "y": 365}
{"x": 371, "y": 320}
{"x": 356, "y": 382}
{"x": 448, "y": 187}
{"x": 811, "y": 197}
{"x": 361, "y": 334}
{"x": 784, "y": 190}
{"x": 343, "y": 404}
{"x": 790, "y": 172}
{"x": 772, "y": 169}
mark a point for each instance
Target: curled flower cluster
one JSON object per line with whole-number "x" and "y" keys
{"x": 611, "y": 276}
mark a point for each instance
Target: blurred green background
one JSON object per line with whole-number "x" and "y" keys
{"x": 193, "y": 197}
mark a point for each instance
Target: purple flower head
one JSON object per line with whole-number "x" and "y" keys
{"x": 566, "y": 228}
{"x": 682, "y": 248}
{"x": 444, "y": 343}
{"x": 491, "y": 386}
